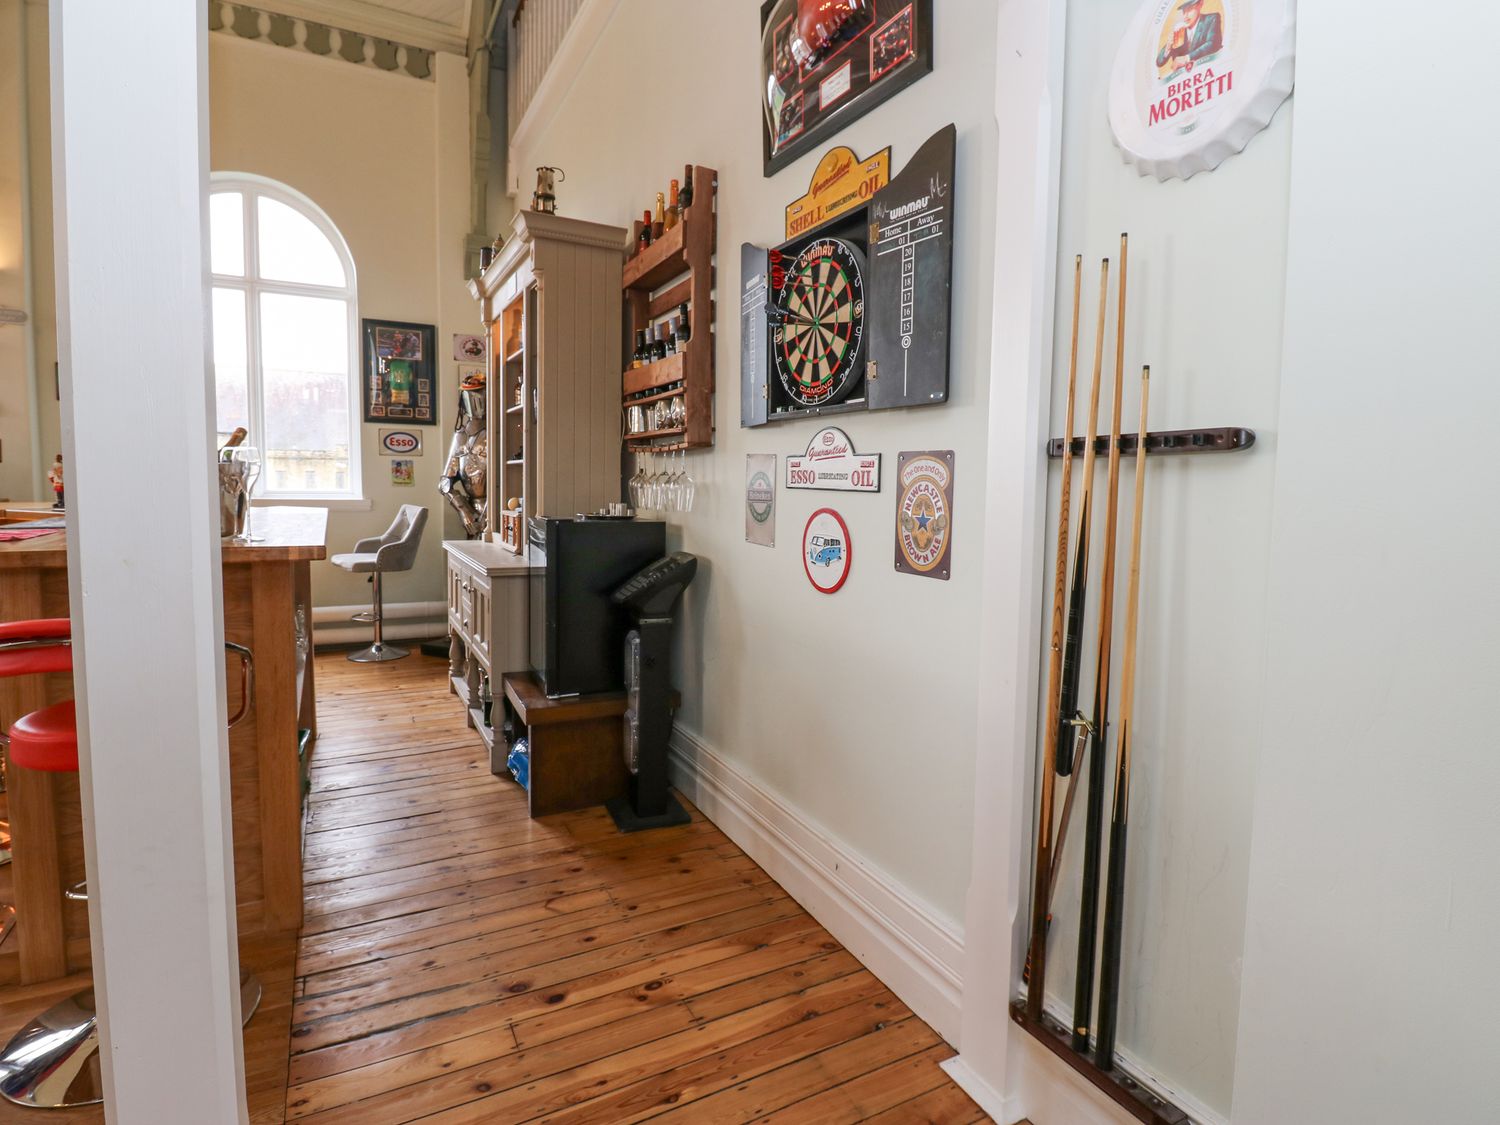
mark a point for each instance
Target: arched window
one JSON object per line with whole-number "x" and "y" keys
{"x": 285, "y": 325}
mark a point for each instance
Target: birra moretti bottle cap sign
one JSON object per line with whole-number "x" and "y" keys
{"x": 1196, "y": 80}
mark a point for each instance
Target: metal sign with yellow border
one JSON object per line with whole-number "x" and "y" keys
{"x": 840, "y": 182}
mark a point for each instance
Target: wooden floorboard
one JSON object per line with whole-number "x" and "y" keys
{"x": 461, "y": 962}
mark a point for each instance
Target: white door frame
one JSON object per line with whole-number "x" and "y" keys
{"x": 130, "y": 145}
{"x": 999, "y": 1066}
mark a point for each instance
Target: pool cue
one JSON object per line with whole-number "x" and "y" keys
{"x": 1067, "y": 725}
{"x": 1042, "y": 893}
{"x": 1114, "y": 892}
{"x": 1093, "y": 825}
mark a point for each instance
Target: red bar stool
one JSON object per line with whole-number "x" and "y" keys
{"x": 28, "y": 648}
{"x": 53, "y": 1061}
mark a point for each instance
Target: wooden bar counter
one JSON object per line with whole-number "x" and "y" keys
{"x": 265, "y": 585}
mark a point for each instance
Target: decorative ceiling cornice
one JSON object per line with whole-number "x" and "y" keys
{"x": 229, "y": 18}
{"x": 379, "y": 21}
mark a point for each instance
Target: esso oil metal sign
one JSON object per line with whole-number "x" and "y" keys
{"x": 400, "y": 443}
{"x": 832, "y": 465}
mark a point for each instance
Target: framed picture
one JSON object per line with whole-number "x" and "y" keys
{"x": 825, "y": 63}
{"x": 468, "y": 348}
{"x": 400, "y": 375}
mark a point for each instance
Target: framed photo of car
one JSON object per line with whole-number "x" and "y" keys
{"x": 825, "y": 63}
{"x": 399, "y": 375}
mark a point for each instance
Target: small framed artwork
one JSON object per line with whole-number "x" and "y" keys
{"x": 399, "y": 372}
{"x": 468, "y": 349}
{"x": 403, "y": 472}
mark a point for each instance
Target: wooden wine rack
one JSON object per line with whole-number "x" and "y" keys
{"x": 677, "y": 267}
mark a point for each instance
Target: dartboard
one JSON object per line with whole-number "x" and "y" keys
{"x": 821, "y": 306}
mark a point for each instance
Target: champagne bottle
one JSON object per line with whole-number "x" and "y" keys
{"x": 659, "y": 224}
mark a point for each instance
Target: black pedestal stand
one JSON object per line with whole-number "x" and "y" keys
{"x": 651, "y": 596}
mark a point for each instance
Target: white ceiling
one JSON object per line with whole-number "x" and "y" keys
{"x": 438, "y": 25}
{"x": 453, "y": 13}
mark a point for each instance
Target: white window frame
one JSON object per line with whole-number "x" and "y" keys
{"x": 252, "y": 285}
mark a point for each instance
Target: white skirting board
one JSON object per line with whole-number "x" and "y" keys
{"x": 917, "y": 953}
{"x": 404, "y": 621}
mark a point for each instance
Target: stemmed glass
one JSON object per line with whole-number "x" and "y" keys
{"x": 686, "y": 488}
{"x": 637, "y": 482}
{"x": 239, "y": 470}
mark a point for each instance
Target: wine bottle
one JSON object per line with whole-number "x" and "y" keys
{"x": 685, "y": 333}
{"x": 673, "y": 345}
{"x": 659, "y": 345}
{"x": 685, "y": 195}
{"x": 659, "y": 224}
{"x": 645, "y": 235}
{"x": 235, "y": 439}
{"x": 674, "y": 204}
{"x": 639, "y": 358}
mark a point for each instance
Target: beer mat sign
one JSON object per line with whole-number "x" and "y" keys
{"x": 924, "y": 513}
{"x": 830, "y": 464}
{"x": 826, "y": 551}
{"x": 1195, "y": 80}
{"x": 840, "y": 182}
{"x": 400, "y": 443}
{"x": 760, "y": 499}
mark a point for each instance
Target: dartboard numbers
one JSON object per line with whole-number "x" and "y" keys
{"x": 817, "y": 347}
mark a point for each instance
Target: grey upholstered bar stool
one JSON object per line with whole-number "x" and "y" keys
{"x": 395, "y": 550}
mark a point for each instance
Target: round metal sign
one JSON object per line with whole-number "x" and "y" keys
{"x": 826, "y": 550}
{"x": 1195, "y": 80}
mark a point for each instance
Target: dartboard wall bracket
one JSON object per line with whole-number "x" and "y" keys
{"x": 854, "y": 315}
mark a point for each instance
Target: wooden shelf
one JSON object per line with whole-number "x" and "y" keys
{"x": 644, "y": 399}
{"x": 670, "y": 447}
{"x": 678, "y": 268}
{"x": 671, "y": 432}
{"x": 657, "y": 374}
{"x": 660, "y": 262}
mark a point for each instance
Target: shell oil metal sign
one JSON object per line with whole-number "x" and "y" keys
{"x": 840, "y": 182}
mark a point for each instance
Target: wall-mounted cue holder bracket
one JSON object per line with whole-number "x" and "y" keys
{"x": 1224, "y": 439}
{"x": 1115, "y": 1084}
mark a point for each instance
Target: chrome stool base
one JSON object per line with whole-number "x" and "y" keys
{"x": 53, "y": 1062}
{"x": 378, "y": 653}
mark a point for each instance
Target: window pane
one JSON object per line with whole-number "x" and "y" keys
{"x": 231, "y": 384}
{"x": 226, "y": 233}
{"x": 304, "y": 359}
{"x": 293, "y": 249}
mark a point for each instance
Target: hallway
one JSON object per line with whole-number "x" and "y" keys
{"x": 462, "y": 963}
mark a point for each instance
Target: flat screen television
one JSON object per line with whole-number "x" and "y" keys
{"x": 577, "y": 632}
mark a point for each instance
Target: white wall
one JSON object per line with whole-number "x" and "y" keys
{"x": 1207, "y": 270}
{"x": 855, "y": 709}
{"x": 386, "y": 156}
{"x": 1370, "y": 979}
